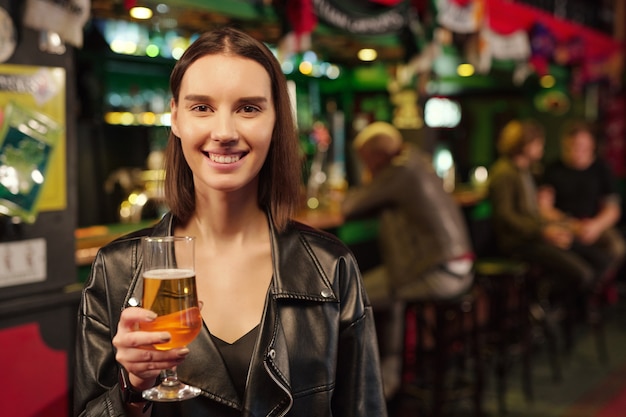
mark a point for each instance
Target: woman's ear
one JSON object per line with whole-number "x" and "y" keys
{"x": 174, "y": 117}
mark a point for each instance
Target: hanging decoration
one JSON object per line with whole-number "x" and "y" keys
{"x": 8, "y": 36}
{"x": 460, "y": 16}
{"x": 543, "y": 45}
{"x": 484, "y": 31}
{"x": 63, "y": 17}
{"x": 494, "y": 46}
{"x": 365, "y": 21}
{"x": 298, "y": 20}
{"x": 504, "y": 26}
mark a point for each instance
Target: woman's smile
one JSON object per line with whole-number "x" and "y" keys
{"x": 225, "y": 158}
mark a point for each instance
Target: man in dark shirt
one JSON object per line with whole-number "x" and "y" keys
{"x": 586, "y": 197}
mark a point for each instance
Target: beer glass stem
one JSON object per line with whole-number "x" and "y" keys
{"x": 169, "y": 377}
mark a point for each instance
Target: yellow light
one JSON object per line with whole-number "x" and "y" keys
{"x": 141, "y": 199}
{"x": 117, "y": 46}
{"x": 547, "y": 81}
{"x": 113, "y": 118}
{"x": 125, "y": 209}
{"x": 305, "y": 67}
{"x": 140, "y": 13}
{"x": 127, "y": 119}
{"x": 465, "y": 70}
{"x": 121, "y": 46}
{"x": 367, "y": 54}
{"x": 177, "y": 52}
{"x": 147, "y": 118}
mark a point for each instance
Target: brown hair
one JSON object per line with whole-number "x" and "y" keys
{"x": 516, "y": 135}
{"x": 574, "y": 127}
{"x": 280, "y": 177}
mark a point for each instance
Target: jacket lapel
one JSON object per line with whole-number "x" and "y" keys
{"x": 268, "y": 379}
{"x": 297, "y": 275}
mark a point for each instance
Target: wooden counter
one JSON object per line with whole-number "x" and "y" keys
{"x": 90, "y": 239}
{"x": 321, "y": 219}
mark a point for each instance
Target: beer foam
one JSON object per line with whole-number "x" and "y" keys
{"x": 169, "y": 273}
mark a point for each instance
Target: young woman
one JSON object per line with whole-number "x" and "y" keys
{"x": 288, "y": 329}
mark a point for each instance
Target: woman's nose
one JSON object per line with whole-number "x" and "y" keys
{"x": 224, "y": 129}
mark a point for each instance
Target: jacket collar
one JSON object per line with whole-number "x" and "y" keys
{"x": 296, "y": 267}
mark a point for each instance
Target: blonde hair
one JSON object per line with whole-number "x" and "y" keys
{"x": 516, "y": 134}
{"x": 381, "y": 136}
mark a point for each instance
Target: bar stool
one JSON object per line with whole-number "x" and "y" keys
{"x": 508, "y": 331}
{"x": 439, "y": 334}
{"x": 597, "y": 319}
{"x": 596, "y": 309}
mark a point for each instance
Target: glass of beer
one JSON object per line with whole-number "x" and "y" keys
{"x": 169, "y": 290}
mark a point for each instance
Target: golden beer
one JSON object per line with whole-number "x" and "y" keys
{"x": 171, "y": 294}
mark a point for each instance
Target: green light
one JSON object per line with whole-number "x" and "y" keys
{"x": 152, "y": 50}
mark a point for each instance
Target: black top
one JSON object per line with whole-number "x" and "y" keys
{"x": 237, "y": 356}
{"x": 580, "y": 193}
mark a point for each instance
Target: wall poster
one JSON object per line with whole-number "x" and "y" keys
{"x": 32, "y": 140}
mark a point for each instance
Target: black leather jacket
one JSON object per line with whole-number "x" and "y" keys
{"x": 316, "y": 354}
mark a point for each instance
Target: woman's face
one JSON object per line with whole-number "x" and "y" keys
{"x": 224, "y": 118}
{"x": 534, "y": 149}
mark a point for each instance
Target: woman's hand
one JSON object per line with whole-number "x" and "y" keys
{"x": 135, "y": 350}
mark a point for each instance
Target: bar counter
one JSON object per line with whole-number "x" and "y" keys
{"x": 90, "y": 239}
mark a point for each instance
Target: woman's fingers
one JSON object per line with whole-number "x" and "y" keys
{"x": 128, "y": 334}
{"x": 132, "y": 316}
{"x": 135, "y": 348}
{"x": 151, "y": 362}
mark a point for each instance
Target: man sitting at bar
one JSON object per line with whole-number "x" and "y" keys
{"x": 424, "y": 241}
{"x": 586, "y": 196}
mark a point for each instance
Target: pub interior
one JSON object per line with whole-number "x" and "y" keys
{"x": 447, "y": 74}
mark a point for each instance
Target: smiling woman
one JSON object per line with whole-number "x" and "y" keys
{"x": 225, "y": 128}
{"x": 269, "y": 285}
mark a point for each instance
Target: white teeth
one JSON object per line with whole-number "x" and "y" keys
{"x": 224, "y": 159}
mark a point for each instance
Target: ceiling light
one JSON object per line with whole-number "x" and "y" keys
{"x": 141, "y": 13}
{"x": 367, "y": 54}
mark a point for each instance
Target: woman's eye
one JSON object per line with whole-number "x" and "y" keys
{"x": 249, "y": 109}
{"x": 200, "y": 108}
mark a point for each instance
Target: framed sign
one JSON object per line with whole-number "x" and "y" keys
{"x": 32, "y": 140}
